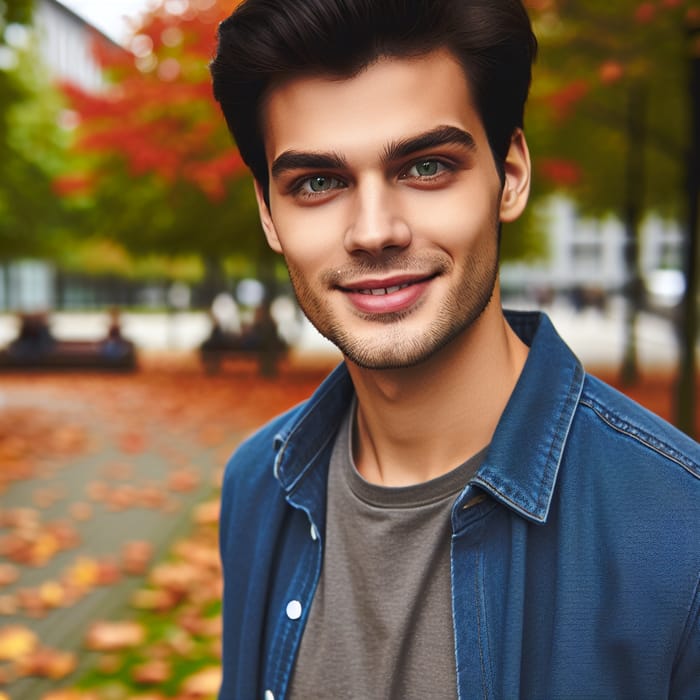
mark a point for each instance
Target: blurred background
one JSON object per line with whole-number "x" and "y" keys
{"x": 124, "y": 207}
{"x": 129, "y": 241}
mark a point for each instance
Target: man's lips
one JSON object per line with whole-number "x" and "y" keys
{"x": 379, "y": 291}
{"x": 391, "y": 295}
{"x": 383, "y": 287}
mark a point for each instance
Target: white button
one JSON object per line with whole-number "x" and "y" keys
{"x": 269, "y": 695}
{"x": 314, "y": 532}
{"x": 294, "y": 610}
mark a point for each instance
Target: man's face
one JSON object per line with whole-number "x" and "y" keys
{"x": 385, "y": 202}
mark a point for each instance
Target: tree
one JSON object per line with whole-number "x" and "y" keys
{"x": 597, "y": 59}
{"x": 15, "y": 12}
{"x": 31, "y": 216}
{"x": 611, "y": 116}
{"x": 157, "y": 169}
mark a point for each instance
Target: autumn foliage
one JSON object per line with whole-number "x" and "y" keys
{"x": 593, "y": 54}
{"x": 157, "y": 110}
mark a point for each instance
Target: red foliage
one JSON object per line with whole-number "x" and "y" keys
{"x": 72, "y": 184}
{"x": 158, "y": 114}
{"x": 560, "y": 171}
{"x": 645, "y": 12}
{"x": 565, "y": 100}
{"x": 210, "y": 176}
{"x": 610, "y": 72}
{"x": 108, "y": 54}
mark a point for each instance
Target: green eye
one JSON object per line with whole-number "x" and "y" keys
{"x": 427, "y": 168}
{"x": 313, "y": 185}
{"x": 320, "y": 183}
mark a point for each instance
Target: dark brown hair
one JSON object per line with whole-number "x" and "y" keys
{"x": 265, "y": 41}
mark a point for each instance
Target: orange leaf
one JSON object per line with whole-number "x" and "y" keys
{"x": 16, "y": 641}
{"x": 203, "y": 683}
{"x": 153, "y": 672}
{"x": 114, "y": 636}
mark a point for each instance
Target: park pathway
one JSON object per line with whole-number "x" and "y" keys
{"x": 99, "y": 474}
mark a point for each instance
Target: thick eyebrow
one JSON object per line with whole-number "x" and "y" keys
{"x": 397, "y": 150}
{"x": 440, "y": 136}
{"x": 300, "y": 160}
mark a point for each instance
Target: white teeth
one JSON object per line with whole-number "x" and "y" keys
{"x": 381, "y": 291}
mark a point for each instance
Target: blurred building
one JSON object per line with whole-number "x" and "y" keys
{"x": 65, "y": 43}
{"x": 586, "y": 260}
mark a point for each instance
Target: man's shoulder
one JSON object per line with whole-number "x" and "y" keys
{"x": 295, "y": 432}
{"x": 619, "y": 419}
{"x": 257, "y": 451}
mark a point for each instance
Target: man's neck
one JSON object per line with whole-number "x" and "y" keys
{"x": 417, "y": 423}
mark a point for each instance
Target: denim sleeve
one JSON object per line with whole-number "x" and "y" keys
{"x": 685, "y": 684}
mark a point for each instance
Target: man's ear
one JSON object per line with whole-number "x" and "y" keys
{"x": 516, "y": 188}
{"x": 266, "y": 220}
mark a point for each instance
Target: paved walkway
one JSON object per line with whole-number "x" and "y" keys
{"x": 93, "y": 462}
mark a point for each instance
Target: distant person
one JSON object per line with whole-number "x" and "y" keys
{"x": 115, "y": 345}
{"x": 459, "y": 511}
{"x": 34, "y": 338}
{"x": 262, "y": 332}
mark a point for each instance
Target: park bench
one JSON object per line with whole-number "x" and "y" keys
{"x": 260, "y": 341}
{"x": 36, "y": 348}
{"x": 71, "y": 354}
{"x": 215, "y": 351}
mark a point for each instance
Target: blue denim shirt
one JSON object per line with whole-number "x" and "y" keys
{"x": 575, "y": 547}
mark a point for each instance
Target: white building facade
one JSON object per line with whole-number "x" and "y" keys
{"x": 65, "y": 44}
{"x": 589, "y": 254}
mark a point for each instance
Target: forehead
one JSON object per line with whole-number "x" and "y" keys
{"x": 391, "y": 98}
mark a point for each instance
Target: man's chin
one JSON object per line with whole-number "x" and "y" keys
{"x": 394, "y": 356}
{"x": 380, "y": 364}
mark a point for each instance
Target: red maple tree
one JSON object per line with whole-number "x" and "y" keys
{"x": 156, "y": 110}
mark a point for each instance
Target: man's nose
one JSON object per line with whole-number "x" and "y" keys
{"x": 377, "y": 221}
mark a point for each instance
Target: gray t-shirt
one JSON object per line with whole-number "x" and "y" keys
{"x": 380, "y": 625}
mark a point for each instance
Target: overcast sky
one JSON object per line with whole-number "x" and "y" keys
{"x": 108, "y": 15}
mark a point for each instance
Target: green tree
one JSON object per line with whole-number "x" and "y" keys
{"x": 610, "y": 123}
{"x": 611, "y": 77}
{"x": 15, "y": 12}
{"x": 158, "y": 170}
{"x": 30, "y": 141}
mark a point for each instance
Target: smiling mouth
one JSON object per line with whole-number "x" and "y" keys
{"x": 374, "y": 288}
{"x": 381, "y": 291}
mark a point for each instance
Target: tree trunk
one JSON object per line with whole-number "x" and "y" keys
{"x": 688, "y": 329}
{"x": 635, "y": 182}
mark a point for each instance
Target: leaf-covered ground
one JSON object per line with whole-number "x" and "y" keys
{"x": 109, "y": 573}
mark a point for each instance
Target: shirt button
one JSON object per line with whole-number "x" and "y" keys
{"x": 269, "y": 695}
{"x": 294, "y": 610}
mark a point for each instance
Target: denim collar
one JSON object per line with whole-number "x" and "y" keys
{"x": 522, "y": 463}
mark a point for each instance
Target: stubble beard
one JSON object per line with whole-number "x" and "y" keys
{"x": 392, "y": 346}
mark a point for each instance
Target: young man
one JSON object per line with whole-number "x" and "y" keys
{"x": 459, "y": 511}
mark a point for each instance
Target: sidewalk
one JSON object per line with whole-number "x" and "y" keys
{"x": 99, "y": 475}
